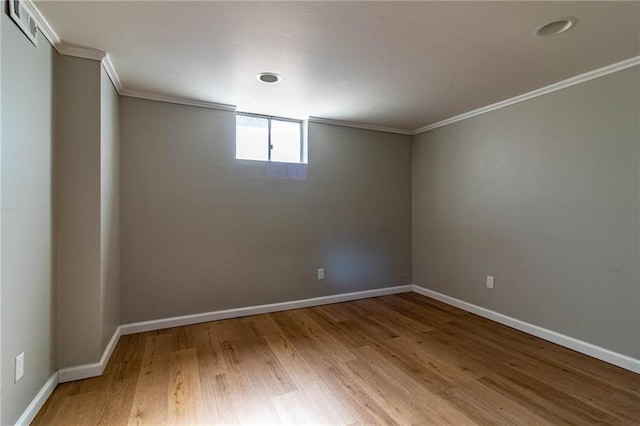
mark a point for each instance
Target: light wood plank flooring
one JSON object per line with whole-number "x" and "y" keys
{"x": 401, "y": 359}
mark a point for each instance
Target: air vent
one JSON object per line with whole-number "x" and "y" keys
{"x": 24, "y": 20}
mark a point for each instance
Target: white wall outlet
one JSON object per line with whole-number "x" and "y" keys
{"x": 320, "y": 274}
{"x": 490, "y": 281}
{"x": 19, "y": 367}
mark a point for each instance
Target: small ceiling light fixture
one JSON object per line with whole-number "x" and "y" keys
{"x": 556, "y": 27}
{"x": 269, "y": 77}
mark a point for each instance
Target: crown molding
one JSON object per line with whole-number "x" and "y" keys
{"x": 111, "y": 72}
{"x": 360, "y": 126}
{"x": 50, "y": 34}
{"x": 94, "y": 54}
{"x": 43, "y": 25}
{"x": 176, "y": 100}
{"x": 77, "y": 51}
{"x": 581, "y": 78}
{"x": 82, "y": 52}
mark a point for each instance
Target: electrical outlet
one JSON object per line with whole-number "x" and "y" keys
{"x": 490, "y": 282}
{"x": 320, "y": 274}
{"x": 19, "y": 367}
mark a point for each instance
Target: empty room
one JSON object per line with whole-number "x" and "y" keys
{"x": 319, "y": 212}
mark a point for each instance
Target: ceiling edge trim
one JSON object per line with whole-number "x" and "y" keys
{"x": 95, "y": 54}
{"x": 81, "y": 52}
{"x": 99, "y": 55}
{"x": 111, "y": 72}
{"x": 175, "y": 100}
{"x": 581, "y": 78}
{"x": 360, "y": 126}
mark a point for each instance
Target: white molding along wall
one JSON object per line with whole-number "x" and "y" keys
{"x": 38, "y": 402}
{"x": 586, "y": 348}
{"x": 175, "y": 100}
{"x": 600, "y": 72}
{"x": 111, "y": 72}
{"x": 87, "y": 371}
{"x": 360, "y": 126}
{"x": 81, "y": 52}
{"x": 96, "y": 369}
{"x": 140, "y": 327}
{"x": 95, "y": 54}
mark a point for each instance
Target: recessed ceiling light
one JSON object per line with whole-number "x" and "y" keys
{"x": 556, "y": 27}
{"x": 268, "y": 77}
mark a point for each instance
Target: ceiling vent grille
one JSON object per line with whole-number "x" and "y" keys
{"x": 24, "y": 20}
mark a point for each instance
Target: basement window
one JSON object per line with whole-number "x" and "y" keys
{"x": 267, "y": 138}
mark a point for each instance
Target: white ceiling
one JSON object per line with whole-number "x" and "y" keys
{"x": 394, "y": 64}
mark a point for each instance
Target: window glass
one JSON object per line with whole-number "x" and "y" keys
{"x": 285, "y": 141}
{"x": 252, "y": 138}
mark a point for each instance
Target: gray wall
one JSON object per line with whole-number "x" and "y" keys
{"x": 109, "y": 208}
{"x": 88, "y": 217}
{"x": 78, "y": 203}
{"x": 27, "y": 205}
{"x": 201, "y": 231}
{"x": 1, "y": 21}
{"x": 543, "y": 195}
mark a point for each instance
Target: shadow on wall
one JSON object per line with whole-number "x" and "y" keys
{"x": 280, "y": 171}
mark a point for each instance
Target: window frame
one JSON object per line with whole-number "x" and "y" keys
{"x": 269, "y": 118}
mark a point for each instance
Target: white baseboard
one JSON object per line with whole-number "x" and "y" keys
{"x": 87, "y": 371}
{"x": 95, "y": 369}
{"x": 41, "y": 397}
{"x": 140, "y": 327}
{"x": 598, "y": 352}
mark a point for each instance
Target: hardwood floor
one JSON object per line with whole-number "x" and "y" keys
{"x": 401, "y": 359}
